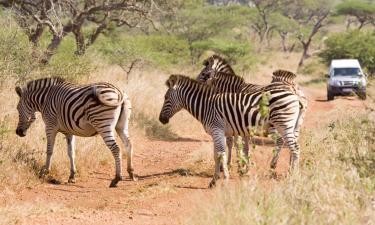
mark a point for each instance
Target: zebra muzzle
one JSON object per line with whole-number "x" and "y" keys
{"x": 20, "y": 132}
{"x": 163, "y": 120}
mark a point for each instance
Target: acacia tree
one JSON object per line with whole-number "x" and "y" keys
{"x": 261, "y": 21}
{"x": 194, "y": 21}
{"x": 285, "y": 27}
{"x": 362, "y": 11}
{"x": 61, "y": 17}
{"x": 311, "y": 16}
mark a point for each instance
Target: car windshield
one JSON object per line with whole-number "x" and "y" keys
{"x": 347, "y": 72}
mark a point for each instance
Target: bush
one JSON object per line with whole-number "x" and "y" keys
{"x": 353, "y": 44}
{"x": 15, "y": 52}
{"x": 231, "y": 49}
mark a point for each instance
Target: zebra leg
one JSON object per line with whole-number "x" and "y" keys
{"x": 122, "y": 129}
{"x": 129, "y": 151}
{"x": 51, "y": 136}
{"x": 70, "y": 140}
{"x": 300, "y": 119}
{"x": 276, "y": 153}
{"x": 219, "y": 157}
{"x": 230, "y": 146}
{"x": 110, "y": 141}
{"x": 295, "y": 152}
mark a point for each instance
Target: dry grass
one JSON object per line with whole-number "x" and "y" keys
{"x": 335, "y": 184}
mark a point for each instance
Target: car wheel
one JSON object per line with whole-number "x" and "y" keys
{"x": 330, "y": 96}
{"x": 362, "y": 95}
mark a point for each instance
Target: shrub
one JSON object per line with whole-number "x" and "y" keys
{"x": 353, "y": 44}
{"x": 15, "y": 52}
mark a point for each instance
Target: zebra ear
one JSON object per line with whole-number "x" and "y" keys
{"x": 171, "y": 82}
{"x": 19, "y": 91}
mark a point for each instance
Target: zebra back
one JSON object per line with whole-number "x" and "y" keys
{"x": 107, "y": 94}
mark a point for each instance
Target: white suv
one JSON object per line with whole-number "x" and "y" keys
{"x": 346, "y": 77}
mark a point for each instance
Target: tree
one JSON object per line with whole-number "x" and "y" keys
{"x": 353, "y": 44}
{"x": 284, "y": 27}
{"x": 362, "y": 11}
{"x": 62, "y": 17}
{"x": 311, "y": 16}
{"x": 194, "y": 21}
{"x": 261, "y": 19}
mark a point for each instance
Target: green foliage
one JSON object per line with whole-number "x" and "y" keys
{"x": 163, "y": 51}
{"x": 67, "y": 65}
{"x": 15, "y": 52}
{"x": 232, "y": 49}
{"x": 356, "y": 8}
{"x": 353, "y": 44}
{"x": 264, "y": 105}
{"x": 19, "y": 59}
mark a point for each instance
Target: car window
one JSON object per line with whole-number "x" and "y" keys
{"x": 346, "y": 72}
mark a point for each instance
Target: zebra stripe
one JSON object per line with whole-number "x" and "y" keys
{"x": 77, "y": 110}
{"x": 228, "y": 114}
{"x": 218, "y": 73}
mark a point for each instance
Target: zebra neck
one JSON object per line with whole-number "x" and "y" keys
{"x": 39, "y": 98}
{"x": 197, "y": 100}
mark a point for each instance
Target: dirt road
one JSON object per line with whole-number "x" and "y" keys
{"x": 164, "y": 193}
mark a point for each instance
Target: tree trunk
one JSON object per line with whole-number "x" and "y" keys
{"x": 35, "y": 37}
{"x": 80, "y": 41}
{"x": 51, "y": 49}
{"x": 304, "y": 53}
{"x": 283, "y": 41}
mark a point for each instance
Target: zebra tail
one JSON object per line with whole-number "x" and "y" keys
{"x": 108, "y": 96}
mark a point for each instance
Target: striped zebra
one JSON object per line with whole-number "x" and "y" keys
{"x": 228, "y": 114}
{"x": 218, "y": 73}
{"x": 77, "y": 110}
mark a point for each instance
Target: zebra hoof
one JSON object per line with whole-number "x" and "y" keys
{"x": 43, "y": 173}
{"x": 114, "y": 182}
{"x": 212, "y": 184}
{"x": 71, "y": 180}
{"x": 133, "y": 177}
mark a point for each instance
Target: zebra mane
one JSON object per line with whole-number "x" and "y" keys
{"x": 283, "y": 76}
{"x": 222, "y": 60}
{"x": 174, "y": 78}
{"x": 45, "y": 82}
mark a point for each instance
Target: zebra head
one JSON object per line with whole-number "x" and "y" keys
{"x": 172, "y": 103}
{"x": 26, "y": 113}
{"x": 213, "y": 65}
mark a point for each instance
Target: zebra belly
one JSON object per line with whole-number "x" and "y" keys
{"x": 83, "y": 129}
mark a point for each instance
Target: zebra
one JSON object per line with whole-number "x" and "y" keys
{"x": 217, "y": 72}
{"x": 228, "y": 114}
{"x": 77, "y": 110}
